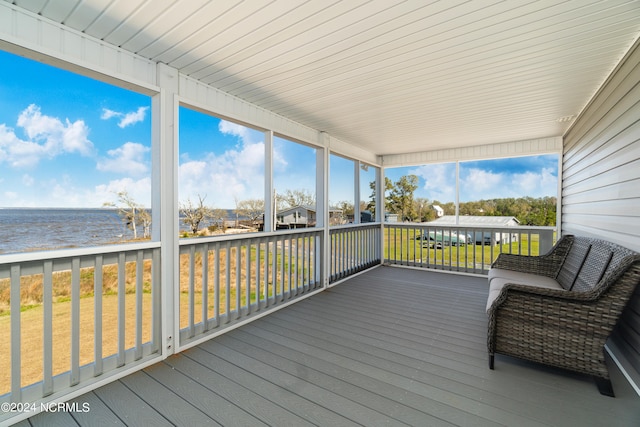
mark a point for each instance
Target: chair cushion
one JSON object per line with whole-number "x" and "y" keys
{"x": 496, "y": 285}
{"x": 500, "y": 273}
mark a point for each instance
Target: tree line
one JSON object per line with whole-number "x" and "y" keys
{"x": 400, "y": 200}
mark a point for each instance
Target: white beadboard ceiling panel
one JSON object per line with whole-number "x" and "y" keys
{"x": 388, "y": 76}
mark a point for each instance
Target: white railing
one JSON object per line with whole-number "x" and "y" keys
{"x": 461, "y": 248}
{"x": 229, "y": 279}
{"x": 75, "y": 316}
{"x": 353, "y": 248}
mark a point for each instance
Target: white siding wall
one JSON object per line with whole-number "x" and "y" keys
{"x": 601, "y": 162}
{"x": 601, "y": 181}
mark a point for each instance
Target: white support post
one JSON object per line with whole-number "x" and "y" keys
{"x": 356, "y": 192}
{"x": 559, "y": 199}
{"x": 165, "y": 200}
{"x": 269, "y": 195}
{"x": 322, "y": 203}
{"x": 457, "y": 192}
{"x": 380, "y": 208}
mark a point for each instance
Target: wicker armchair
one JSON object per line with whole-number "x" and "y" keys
{"x": 565, "y": 328}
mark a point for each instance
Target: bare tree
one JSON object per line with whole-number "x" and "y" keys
{"x": 251, "y": 208}
{"x": 132, "y": 213}
{"x": 293, "y": 198}
{"x": 347, "y": 211}
{"x": 218, "y": 216}
{"x": 144, "y": 217}
{"x": 193, "y": 216}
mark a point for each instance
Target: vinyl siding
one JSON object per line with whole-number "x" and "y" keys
{"x": 601, "y": 182}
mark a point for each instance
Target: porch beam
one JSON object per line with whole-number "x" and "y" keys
{"x": 532, "y": 147}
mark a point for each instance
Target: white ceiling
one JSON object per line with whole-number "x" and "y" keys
{"x": 389, "y": 76}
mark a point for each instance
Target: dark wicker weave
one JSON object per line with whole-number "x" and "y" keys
{"x": 561, "y": 328}
{"x": 548, "y": 264}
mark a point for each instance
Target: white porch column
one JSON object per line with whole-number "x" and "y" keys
{"x": 269, "y": 199}
{"x": 356, "y": 191}
{"x": 164, "y": 179}
{"x": 322, "y": 203}
{"x": 380, "y": 207}
{"x": 457, "y": 192}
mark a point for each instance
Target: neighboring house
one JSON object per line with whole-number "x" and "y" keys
{"x": 304, "y": 216}
{"x": 487, "y": 237}
{"x": 389, "y": 217}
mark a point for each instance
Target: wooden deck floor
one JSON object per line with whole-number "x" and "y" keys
{"x": 392, "y": 346}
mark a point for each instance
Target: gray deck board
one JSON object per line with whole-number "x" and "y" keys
{"x": 53, "y": 419}
{"x": 260, "y": 408}
{"x": 299, "y": 383}
{"x": 131, "y": 409}
{"x": 289, "y": 401}
{"x": 99, "y": 413}
{"x": 392, "y": 346}
{"x": 361, "y": 388}
{"x": 171, "y": 405}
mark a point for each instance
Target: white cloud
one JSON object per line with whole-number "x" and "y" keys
{"x": 234, "y": 129}
{"x": 126, "y": 119}
{"x": 138, "y": 190}
{"x": 47, "y": 137}
{"x": 540, "y": 184}
{"x": 481, "y": 184}
{"x": 75, "y": 138}
{"x": 439, "y": 181}
{"x": 133, "y": 117}
{"x": 129, "y": 159}
{"x": 107, "y": 114}
{"x": 483, "y": 181}
{"x": 36, "y": 125}
{"x": 27, "y": 180}
{"x": 225, "y": 176}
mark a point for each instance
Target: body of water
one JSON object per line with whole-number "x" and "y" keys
{"x": 23, "y": 230}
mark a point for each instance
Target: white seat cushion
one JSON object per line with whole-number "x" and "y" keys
{"x": 497, "y": 283}
{"x": 509, "y": 274}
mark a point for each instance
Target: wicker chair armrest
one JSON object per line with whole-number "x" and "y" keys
{"x": 512, "y": 292}
{"x": 548, "y": 264}
{"x": 527, "y": 264}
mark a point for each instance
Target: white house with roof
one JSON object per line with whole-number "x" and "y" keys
{"x": 304, "y": 216}
{"x": 491, "y": 236}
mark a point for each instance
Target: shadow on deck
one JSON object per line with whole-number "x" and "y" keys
{"x": 392, "y": 346}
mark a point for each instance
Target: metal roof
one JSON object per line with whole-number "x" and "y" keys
{"x": 389, "y": 76}
{"x": 480, "y": 221}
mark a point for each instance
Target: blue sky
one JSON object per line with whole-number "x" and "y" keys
{"x": 71, "y": 141}
{"x": 530, "y": 176}
{"x": 67, "y": 140}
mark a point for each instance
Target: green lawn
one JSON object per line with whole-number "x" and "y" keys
{"x": 405, "y": 246}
